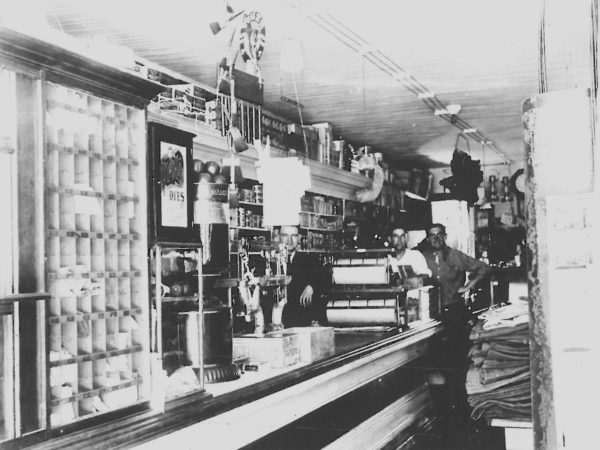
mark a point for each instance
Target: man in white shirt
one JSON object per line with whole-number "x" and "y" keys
{"x": 405, "y": 256}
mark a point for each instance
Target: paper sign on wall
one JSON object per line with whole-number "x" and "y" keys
{"x": 174, "y": 212}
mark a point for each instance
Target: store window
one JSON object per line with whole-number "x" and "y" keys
{"x": 22, "y": 380}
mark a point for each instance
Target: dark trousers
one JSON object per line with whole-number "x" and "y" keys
{"x": 452, "y": 351}
{"x": 296, "y": 315}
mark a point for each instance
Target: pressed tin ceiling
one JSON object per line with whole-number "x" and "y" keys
{"x": 480, "y": 54}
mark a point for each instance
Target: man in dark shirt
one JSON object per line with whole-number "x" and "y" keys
{"x": 449, "y": 267}
{"x": 304, "y": 306}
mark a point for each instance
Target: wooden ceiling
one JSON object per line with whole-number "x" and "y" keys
{"x": 480, "y": 54}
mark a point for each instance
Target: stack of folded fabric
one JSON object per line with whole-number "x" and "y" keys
{"x": 498, "y": 381}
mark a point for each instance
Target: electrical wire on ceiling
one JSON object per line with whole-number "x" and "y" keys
{"x": 543, "y": 75}
{"x": 355, "y": 42}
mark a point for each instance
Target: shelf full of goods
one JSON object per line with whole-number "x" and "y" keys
{"x": 96, "y": 255}
{"x": 203, "y": 104}
{"x": 315, "y": 142}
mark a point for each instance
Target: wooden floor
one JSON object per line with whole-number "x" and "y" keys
{"x": 448, "y": 429}
{"x": 459, "y": 433}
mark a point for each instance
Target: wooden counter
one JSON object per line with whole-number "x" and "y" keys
{"x": 239, "y": 417}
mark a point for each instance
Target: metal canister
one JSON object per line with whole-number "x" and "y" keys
{"x": 241, "y": 217}
{"x": 257, "y": 189}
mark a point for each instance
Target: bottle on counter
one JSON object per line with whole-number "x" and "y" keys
{"x": 518, "y": 251}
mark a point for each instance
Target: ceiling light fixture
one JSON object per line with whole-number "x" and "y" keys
{"x": 470, "y": 130}
{"x": 453, "y": 109}
{"x": 450, "y": 109}
{"x": 423, "y": 95}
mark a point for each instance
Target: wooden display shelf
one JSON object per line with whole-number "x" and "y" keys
{"x": 94, "y": 392}
{"x": 94, "y": 235}
{"x": 65, "y": 318}
{"x": 321, "y": 230}
{"x": 337, "y": 216}
{"x": 103, "y": 196}
{"x": 176, "y": 299}
{"x": 249, "y": 204}
{"x": 265, "y": 230}
{"x": 107, "y": 274}
{"x": 95, "y": 356}
{"x": 51, "y": 103}
{"x": 94, "y": 155}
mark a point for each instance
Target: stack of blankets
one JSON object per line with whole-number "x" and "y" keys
{"x": 498, "y": 381}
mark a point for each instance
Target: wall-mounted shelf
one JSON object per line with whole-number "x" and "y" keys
{"x": 93, "y": 155}
{"x": 94, "y": 235}
{"x": 95, "y": 356}
{"x": 176, "y": 299}
{"x": 321, "y": 230}
{"x": 320, "y": 214}
{"x": 95, "y": 188}
{"x": 325, "y": 180}
{"x": 262, "y": 230}
{"x": 88, "y": 394}
{"x": 93, "y": 316}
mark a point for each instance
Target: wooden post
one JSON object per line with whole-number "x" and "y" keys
{"x": 560, "y": 219}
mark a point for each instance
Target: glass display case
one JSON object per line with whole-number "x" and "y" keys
{"x": 7, "y": 370}
{"x": 22, "y": 355}
{"x": 177, "y": 337}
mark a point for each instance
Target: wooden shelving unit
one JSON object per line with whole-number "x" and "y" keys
{"x": 321, "y": 221}
{"x": 97, "y": 274}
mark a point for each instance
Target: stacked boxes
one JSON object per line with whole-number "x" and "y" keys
{"x": 185, "y": 99}
{"x": 325, "y": 131}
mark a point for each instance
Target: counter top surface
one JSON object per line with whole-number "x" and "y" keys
{"x": 360, "y": 358}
